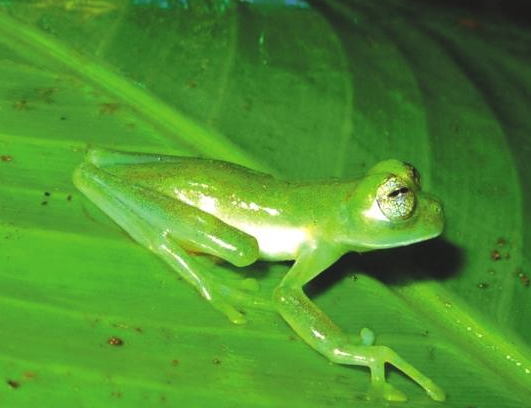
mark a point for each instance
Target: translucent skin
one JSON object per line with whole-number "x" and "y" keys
{"x": 181, "y": 206}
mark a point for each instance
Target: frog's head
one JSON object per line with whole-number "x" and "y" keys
{"x": 389, "y": 209}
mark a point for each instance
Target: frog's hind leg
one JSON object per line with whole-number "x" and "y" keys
{"x": 101, "y": 157}
{"x": 167, "y": 227}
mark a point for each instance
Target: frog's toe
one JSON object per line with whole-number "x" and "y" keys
{"x": 236, "y": 317}
{"x": 367, "y": 337}
{"x": 237, "y": 293}
{"x": 247, "y": 285}
{"x": 250, "y": 285}
{"x": 387, "y": 392}
{"x": 435, "y": 392}
{"x": 228, "y": 310}
{"x": 391, "y": 393}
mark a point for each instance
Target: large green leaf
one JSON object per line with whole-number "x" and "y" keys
{"x": 325, "y": 89}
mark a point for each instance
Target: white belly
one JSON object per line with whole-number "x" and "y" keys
{"x": 277, "y": 242}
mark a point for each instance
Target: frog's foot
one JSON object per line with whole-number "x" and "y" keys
{"x": 224, "y": 294}
{"x": 381, "y": 389}
{"x": 385, "y": 391}
{"x": 229, "y": 295}
{"x": 378, "y": 357}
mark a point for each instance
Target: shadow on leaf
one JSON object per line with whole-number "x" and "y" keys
{"x": 436, "y": 259}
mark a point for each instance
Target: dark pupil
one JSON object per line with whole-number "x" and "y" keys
{"x": 397, "y": 192}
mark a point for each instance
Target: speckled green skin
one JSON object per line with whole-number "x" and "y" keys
{"x": 180, "y": 206}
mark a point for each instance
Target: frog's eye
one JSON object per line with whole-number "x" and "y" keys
{"x": 395, "y": 199}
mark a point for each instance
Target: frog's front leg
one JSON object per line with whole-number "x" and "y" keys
{"x": 324, "y": 336}
{"x": 171, "y": 228}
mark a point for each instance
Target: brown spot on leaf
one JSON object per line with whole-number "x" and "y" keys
{"x": 115, "y": 341}
{"x": 109, "y": 108}
{"x": 20, "y": 105}
{"x": 469, "y": 23}
{"x": 524, "y": 279}
{"x": 46, "y": 95}
{"x": 501, "y": 241}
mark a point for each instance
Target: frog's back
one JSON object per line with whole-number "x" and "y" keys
{"x": 277, "y": 213}
{"x": 207, "y": 177}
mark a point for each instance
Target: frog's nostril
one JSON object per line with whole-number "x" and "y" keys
{"x": 436, "y": 207}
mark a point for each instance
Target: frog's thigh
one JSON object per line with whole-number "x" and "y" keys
{"x": 150, "y": 218}
{"x": 106, "y": 157}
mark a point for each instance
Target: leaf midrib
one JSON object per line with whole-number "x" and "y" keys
{"x": 207, "y": 141}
